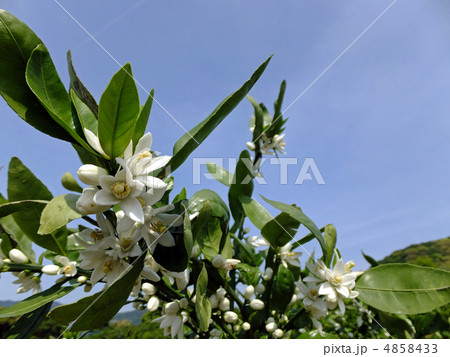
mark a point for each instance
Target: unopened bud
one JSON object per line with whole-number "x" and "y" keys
{"x": 247, "y": 230}
{"x": 271, "y": 327}
{"x": 153, "y": 304}
{"x": 220, "y": 293}
{"x": 149, "y": 289}
{"x": 277, "y": 333}
{"x": 17, "y": 256}
{"x": 230, "y": 317}
{"x": 90, "y": 174}
{"x": 218, "y": 261}
{"x": 50, "y": 269}
{"x": 249, "y": 291}
{"x": 214, "y": 301}
{"x": 268, "y": 274}
{"x": 251, "y": 145}
{"x": 236, "y": 328}
{"x": 224, "y": 304}
{"x": 171, "y": 308}
{"x": 82, "y": 279}
{"x": 260, "y": 288}
{"x": 257, "y": 304}
{"x": 184, "y": 303}
{"x": 69, "y": 183}
{"x": 246, "y": 326}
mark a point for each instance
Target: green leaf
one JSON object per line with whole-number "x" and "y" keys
{"x": 280, "y": 230}
{"x": 396, "y": 324}
{"x": 369, "y": 259}
{"x": 37, "y": 300}
{"x": 314, "y": 334}
{"x": 78, "y": 87}
{"x": 202, "y": 303}
{"x": 257, "y": 214}
{"x": 404, "y": 288}
{"x": 259, "y": 124}
{"x": 297, "y": 214}
{"x": 58, "y": 212}
{"x": 192, "y": 139}
{"x": 117, "y": 112}
{"x": 45, "y": 83}
{"x": 208, "y": 233}
{"x": 25, "y": 326}
{"x": 220, "y": 174}
{"x": 181, "y": 196}
{"x": 249, "y": 273}
{"x": 242, "y": 185}
{"x": 6, "y": 245}
{"x": 219, "y": 209}
{"x": 69, "y": 183}
{"x": 23, "y": 185}
{"x": 330, "y": 237}
{"x": 17, "y": 42}
{"x": 277, "y": 105}
{"x": 87, "y": 118}
{"x": 142, "y": 120}
{"x": 11, "y": 207}
{"x": 96, "y": 310}
{"x": 282, "y": 290}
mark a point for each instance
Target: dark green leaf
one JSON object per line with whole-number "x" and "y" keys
{"x": 37, "y": 300}
{"x": 24, "y": 327}
{"x": 404, "y": 288}
{"x": 396, "y": 324}
{"x": 96, "y": 310}
{"x": 202, "y": 303}
{"x": 208, "y": 233}
{"x": 369, "y": 259}
{"x": 117, "y": 113}
{"x": 218, "y": 207}
{"x": 191, "y": 140}
{"x": 249, "y": 273}
{"x": 330, "y": 238}
{"x": 58, "y": 212}
{"x": 142, "y": 120}
{"x": 23, "y": 185}
{"x": 220, "y": 174}
{"x": 282, "y": 290}
{"x": 314, "y": 334}
{"x": 87, "y": 118}
{"x": 79, "y": 88}
{"x": 17, "y": 42}
{"x": 280, "y": 230}
{"x": 11, "y": 207}
{"x": 181, "y": 196}
{"x": 257, "y": 214}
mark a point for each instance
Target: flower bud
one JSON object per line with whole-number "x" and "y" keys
{"x": 271, "y": 327}
{"x": 268, "y": 274}
{"x": 220, "y": 293}
{"x": 184, "y": 303}
{"x": 260, "y": 288}
{"x": 171, "y": 308}
{"x": 249, "y": 291}
{"x": 17, "y": 256}
{"x": 247, "y": 230}
{"x": 86, "y": 204}
{"x": 257, "y": 304}
{"x": 277, "y": 333}
{"x": 230, "y": 317}
{"x": 50, "y": 269}
{"x": 6, "y": 260}
{"x": 82, "y": 279}
{"x": 246, "y": 326}
{"x": 149, "y": 289}
{"x": 236, "y": 328}
{"x": 218, "y": 261}
{"x": 251, "y": 145}
{"x": 90, "y": 174}
{"x": 224, "y": 304}
{"x": 69, "y": 183}
{"x": 153, "y": 304}
{"x": 214, "y": 301}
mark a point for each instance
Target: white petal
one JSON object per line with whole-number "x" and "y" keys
{"x": 145, "y": 143}
{"x": 105, "y": 198}
{"x": 93, "y": 141}
{"x": 133, "y": 209}
{"x": 157, "y": 163}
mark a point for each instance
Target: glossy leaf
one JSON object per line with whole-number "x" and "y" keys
{"x": 369, "y": 259}
{"x": 191, "y": 140}
{"x": 250, "y": 274}
{"x": 404, "y": 288}
{"x": 37, "y": 300}
{"x": 330, "y": 237}
{"x": 26, "y": 324}
{"x": 96, "y": 310}
{"x": 242, "y": 185}
{"x": 45, "y": 83}
{"x": 17, "y": 42}
{"x": 78, "y": 87}
{"x": 117, "y": 112}
{"x": 58, "y": 212}
{"x": 297, "y": 214}
{"x": 207, "y": 232}
{"x": 23, "y": 185}
{"x": 257, "y": 214}
{"x": 220, "y": 174}
{"x": 85, "y": 114}
{"x": 282, "y": 290}
{"x": 202, "y": 303}
{"x": 142, "y": 120}
{"x": 280, "y": 230}
{"x": 11, "y": 207}
{"x": 219, "y": 209}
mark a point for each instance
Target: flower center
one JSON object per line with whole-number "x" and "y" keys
{"x": 125, "y": 244}
{"x": 67, "y": 269}
{"x": 313, "y": 293}
{"x": 336, "y": 279}
{"x": 120, "y": 189}
{"x": 143, "y": 155}
{"x": 97, "y": 234}
{"x": 107, "y": 266}
{"x": 158, "y": 227}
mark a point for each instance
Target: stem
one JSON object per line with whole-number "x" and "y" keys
{"x": 90, "y": 220}
{"x": 291, "y": 321}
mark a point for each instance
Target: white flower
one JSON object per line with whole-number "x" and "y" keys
{"x": 279, "y": 143}
{"x": 27, "y": 282}
{"x": 86, "y": 205}
{"x": 50, "y": 269}
{"x": 246, "y": 326}
{"x": 220, "y": 293}
{"x": 230, "y": 317}
{"x": 288, "y": 257}
{"x": 90, "y": 174}
{"x": 311, "y": 299}
{"x": 215, "y": 334}
{"x": 181, "y": 278}
{"x": 214, "y": 301}
{"x": 249, "y": 291}
{"x": 69, "y": 268}
{"x": 17, "y": 256}
{"x": 126, "y": 245}
{"x": 224, "y": 264}
{"x": 271, "y": 326}
{"x": 149, "y": 289}
{"x": 121, "y": 189}
{"x": 257, "y": 304}
{"x": 94, "y": 142}
{"x": 171, "y": 322}
{"x": 224, "y": 304}
{"x": 256, "y": 241}
{"x": 151, "y": 267}
{"x": 278, "y": 333}
{"x": 153, "y": 304}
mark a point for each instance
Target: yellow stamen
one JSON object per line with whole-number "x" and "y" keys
{"x": 143, "y": 155}
{"x": 107, "y": 266}
{"x": 349, "y": 265}
{"x": 97, "y": 234}
{"x": 141, "y": 201}
{"x": 120, "y": 189}
{"x": 336, "y": 279}
{"x": 158, "y": 227}
{"x": 125, "y": 244}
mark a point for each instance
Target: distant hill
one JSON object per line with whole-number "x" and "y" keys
{"x": 133, "y": 316}
{"x": 434, "y": 254}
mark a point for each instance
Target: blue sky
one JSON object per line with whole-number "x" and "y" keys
{"x": 376, "y": 123}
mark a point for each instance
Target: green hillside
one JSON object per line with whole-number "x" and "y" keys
{"x": 434, "y": 254}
